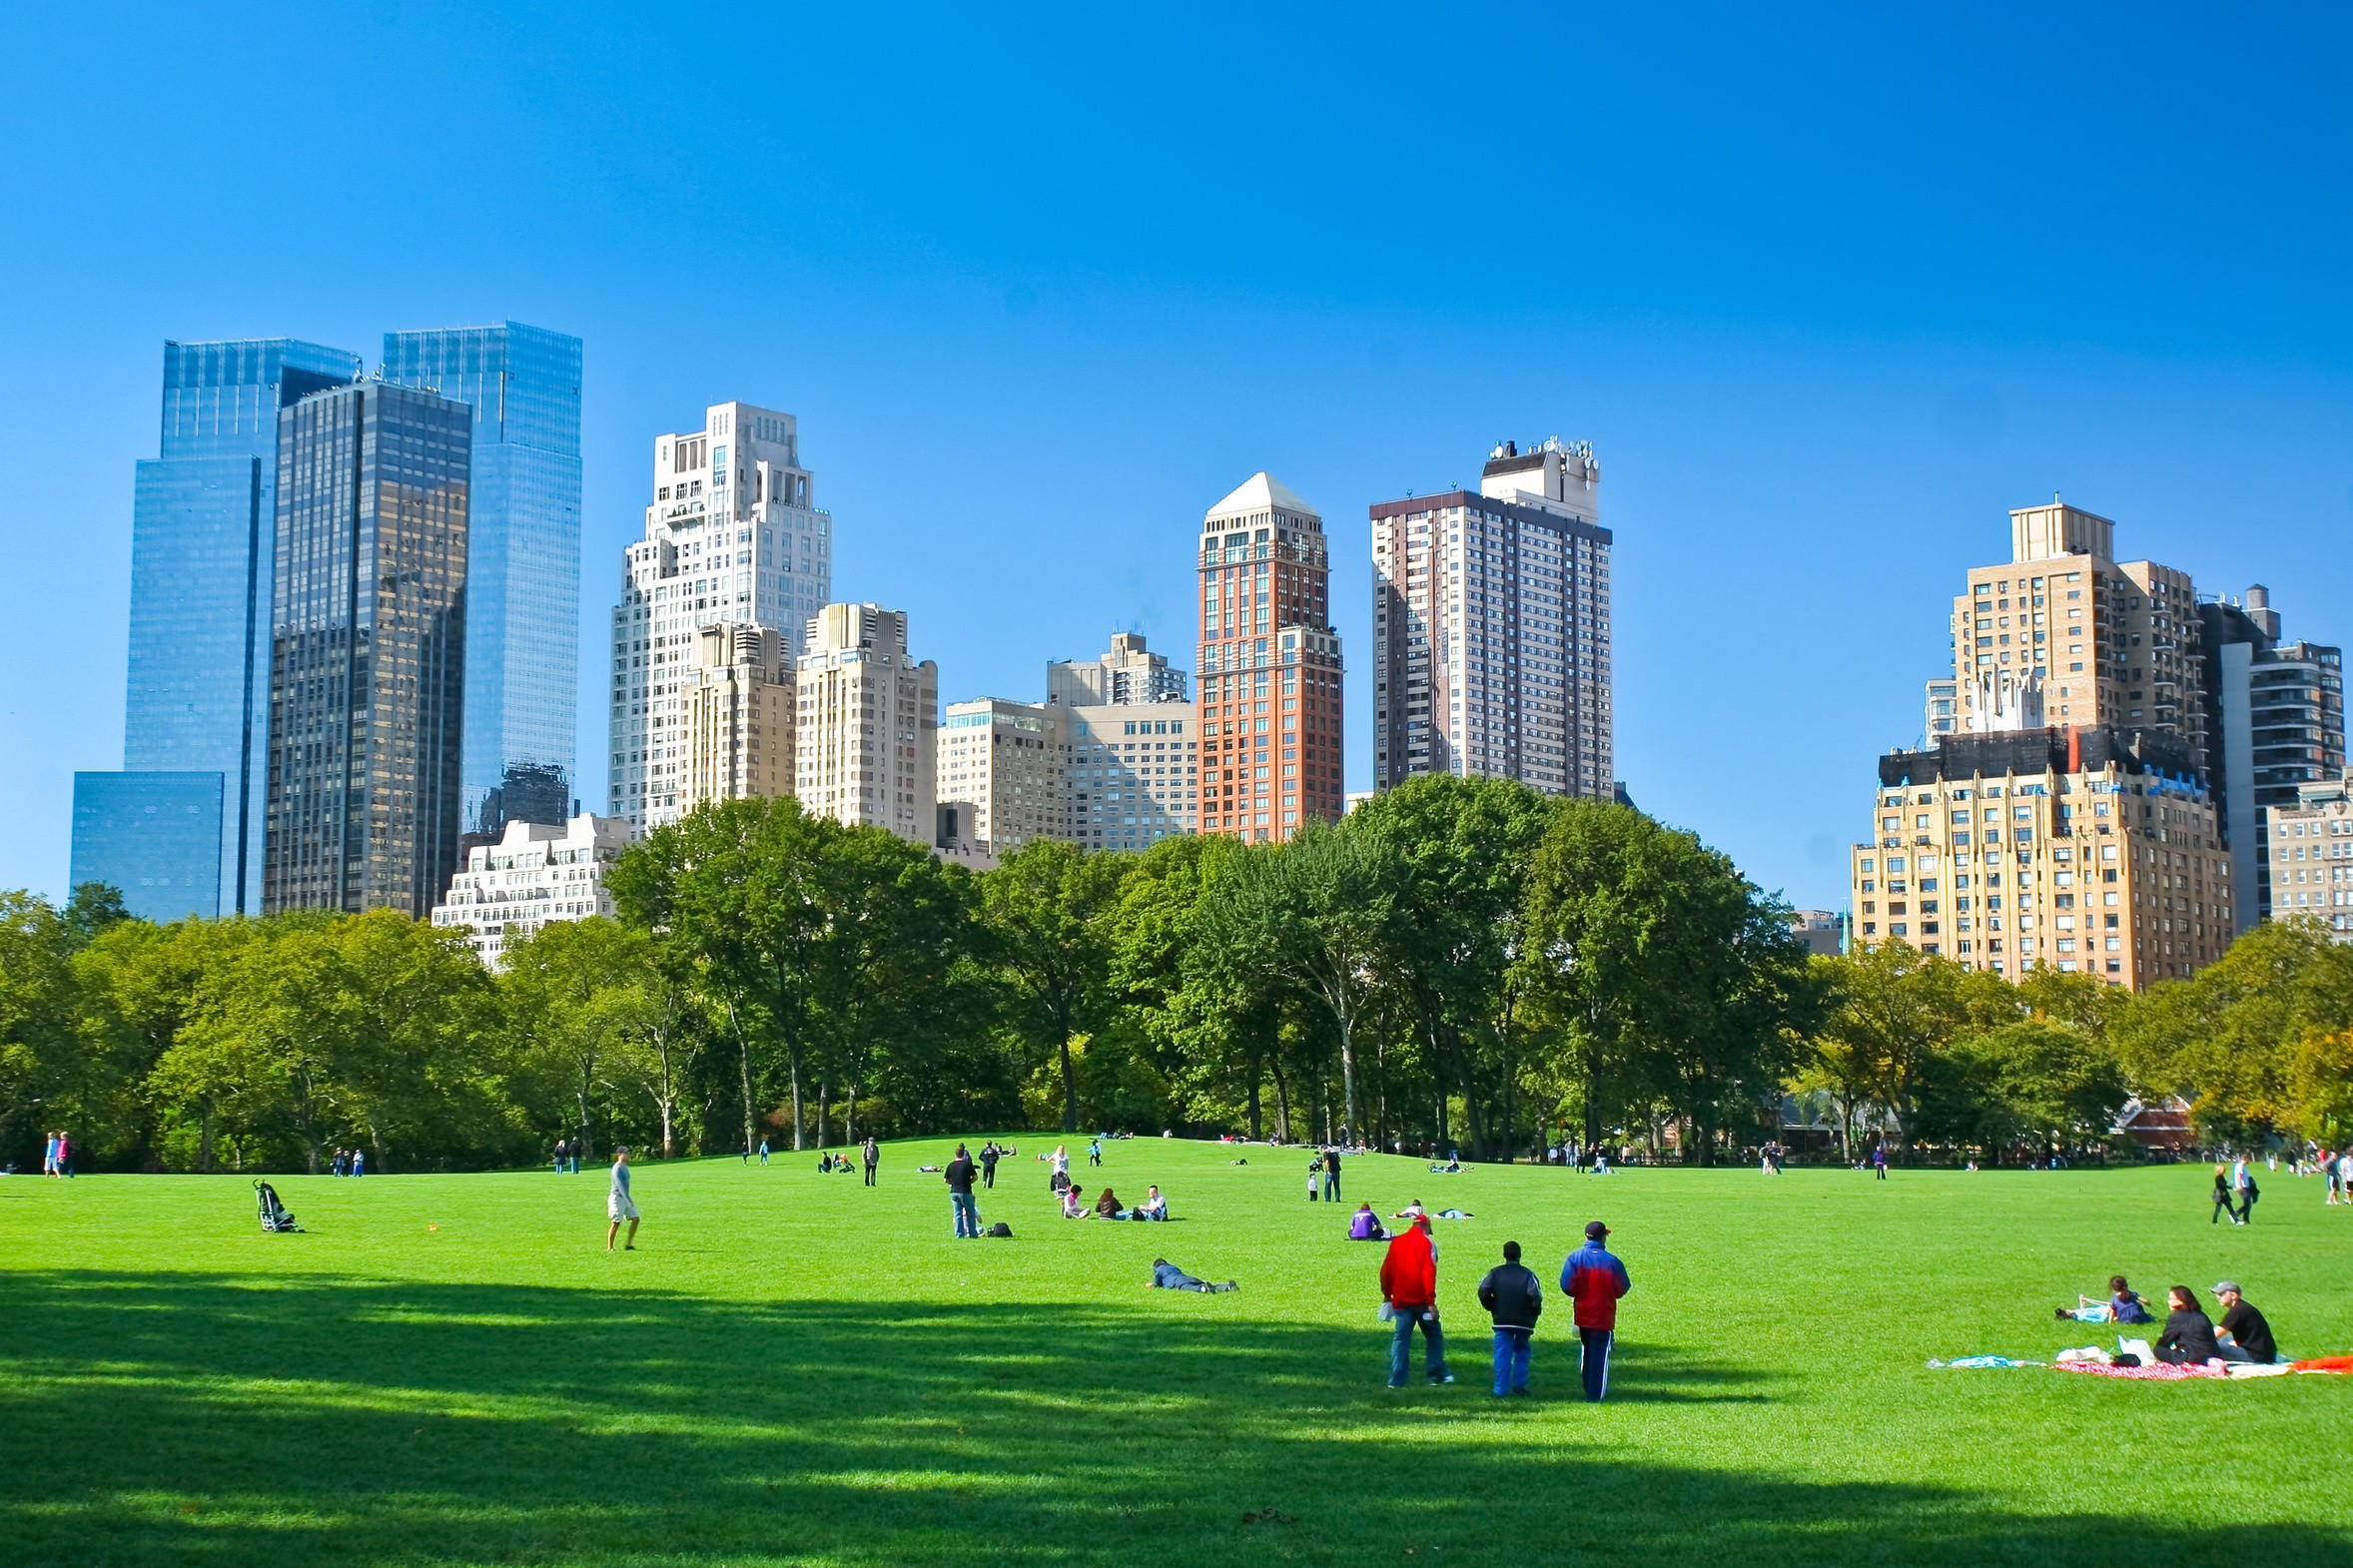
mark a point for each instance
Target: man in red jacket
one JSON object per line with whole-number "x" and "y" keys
{"x": 1409, "y": 1284}
{"x": 1594, "y": 1278}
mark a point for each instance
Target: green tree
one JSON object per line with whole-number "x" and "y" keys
{"x": 1050, "y": 910}
{"x": 574, "y": 990}
{"x": 39, "y": 1046}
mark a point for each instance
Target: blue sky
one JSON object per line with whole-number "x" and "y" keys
{"x": 1829, "y": 290}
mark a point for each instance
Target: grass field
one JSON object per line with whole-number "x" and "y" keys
{"x": 793, "y": 1368}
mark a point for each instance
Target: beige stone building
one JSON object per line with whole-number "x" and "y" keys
{"x": 2076, "y": 637}
{"x": 2312, "y": 855}
{"x": 1130, "y": 672}
{"x": 1006, "y": 761}
{"x": 863, "y": 748}
{"x": 2091, "y": 851}
{"x": 1135, "y": 770}
{"x": 737, "y": 715}
{"x": 536, "y": 874}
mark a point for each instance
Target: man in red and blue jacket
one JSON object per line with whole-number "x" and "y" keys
{"x": 1594, "y": 1280}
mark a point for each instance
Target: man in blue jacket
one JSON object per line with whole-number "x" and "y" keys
{"x": 1594, "y": 1280}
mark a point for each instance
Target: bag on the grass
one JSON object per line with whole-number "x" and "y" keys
{"x": 1000, "y": 1228}
{"x": 273, "y": 1213}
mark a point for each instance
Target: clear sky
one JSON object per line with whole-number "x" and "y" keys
{"x": 1829, "y": 290}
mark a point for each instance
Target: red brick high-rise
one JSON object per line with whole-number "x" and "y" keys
{"x": 1269, "y": 667}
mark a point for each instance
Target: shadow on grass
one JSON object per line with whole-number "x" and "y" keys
{"x": 194, "y": 1419}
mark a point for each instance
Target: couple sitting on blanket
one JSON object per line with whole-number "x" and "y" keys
{"x": 2190, "y": 1337}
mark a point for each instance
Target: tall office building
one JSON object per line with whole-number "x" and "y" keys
{"x": 1491, "y": 627}
{"x": 2276, "y": 713}
{"x": 196, "y": 703}
{"x": 1130, "y": 672}
{"x": 1269, "y": 667}
{"x": 2095, "y": 640}
{"x": 1009, "y": 762}
{"x": 866, "y": 745}
{"x": 737, "y": 715}
{"x": 2091, "y": 851}
{"x": 523, "y": 591}
{"x": 730, "y": 536}
{"x": 367, "y": 651}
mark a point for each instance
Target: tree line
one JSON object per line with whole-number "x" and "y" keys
{"x": 1460, "y": 964}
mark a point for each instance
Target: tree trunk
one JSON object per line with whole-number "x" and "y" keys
{"x": 1254, "y": 1111}
{"x": 204, "y": 1141}
{"x": 1346, "y": 1018}
{"x": 1282, "y": 1105}
{"x": 850, "y": 1112}
{"x": 824, "y": 1106}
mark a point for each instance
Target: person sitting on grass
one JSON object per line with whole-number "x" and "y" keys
{"x": 1167, "y": 1276}
{"x": 2188, "y": 1339}
{"x": 1412, "y": 1211}
{"x": 1153, "y": 1207}
{"x": 1107, "y": 1206}
{"x": 1365, "y": 1225}
{"x": 2246, "y": 1333}
{"x": 1073, "y": 1205}
{"x": 2122, "y": 1304}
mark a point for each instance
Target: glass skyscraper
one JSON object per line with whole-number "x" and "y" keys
{"x": 367, "y": 659}
{"x": 200, "y": 612}
{"x": 153, "y": 837}
{"x": 523, "y": 594}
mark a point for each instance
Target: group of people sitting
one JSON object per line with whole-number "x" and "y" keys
{"x": 828, "y": 1163}
{"x": 1108, "y": 1206}
{"x": 2190, "y": 1336}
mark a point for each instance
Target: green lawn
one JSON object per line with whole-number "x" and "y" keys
{"x": 795, "y": 1369}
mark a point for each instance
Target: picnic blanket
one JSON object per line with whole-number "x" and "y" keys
{"x": 2158, "y": 1372}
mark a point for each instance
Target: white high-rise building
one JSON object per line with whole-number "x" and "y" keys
{"x": 869, "y": 723}
{"x": 1491, "y": 627}
{"x": 730, "y": 536}
{"x": 535, "y": 873}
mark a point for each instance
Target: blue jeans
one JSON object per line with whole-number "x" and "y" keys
{"x": 1331, "y": 1186}
{"x": 968, "y": 1214}
{"x": 1511, "y": 1361}
{"x": 1402, "y": 1346}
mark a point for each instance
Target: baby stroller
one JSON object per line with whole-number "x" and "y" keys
{"x": 274, "y": 1215}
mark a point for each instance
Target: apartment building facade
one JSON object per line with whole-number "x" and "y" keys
{"x": 2276, "y": 710}
{"x": 732, "y": 534}
{"x": 866, "y": 738}
{"x": 1491, "y": 627}
{"x": 536, "y": 874}
{"x": 1008, "y": 762}
{"x": 740, "y": 709}
{"x": 2310, "y": 856}
{"x": 2093, "y": 851}
{"x": 1134, "y": 772}
{"x": 1128, "y": 672}
{"x": 1269, "y": 668}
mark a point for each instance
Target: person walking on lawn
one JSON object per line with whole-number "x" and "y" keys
{"x": 872, "y": 1152}
{"x": 1332, "y": 1176}
{"x": 959, "y": 1176}
{"x": 1514, "y": 1299}
{"x": 617, "y": 1206}
{"x": 1595, "y": 1279}
{"x": 1409, "y": 1286}
{"x": 990, "y": 1154}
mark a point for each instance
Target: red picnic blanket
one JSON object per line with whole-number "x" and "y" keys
{"x": 2159, "y": 1372}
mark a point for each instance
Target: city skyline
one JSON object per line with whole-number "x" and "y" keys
{"x": 1812, "y": 360}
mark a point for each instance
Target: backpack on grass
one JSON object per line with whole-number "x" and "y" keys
{"x": 1000, "y": 1228}
{"x": 274, "y": 1213}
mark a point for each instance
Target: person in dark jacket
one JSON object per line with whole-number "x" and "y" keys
{"x": 959, "y": 1176}
{"x": 2249, "y": 1330}
{"x": 1514, "y": 1299}
{"x": 1167, "y": 1276}
{"x": 1595, "y": 1279}
{"x": 2188, "y": 1339}
{"x": 2223, "y": 1201}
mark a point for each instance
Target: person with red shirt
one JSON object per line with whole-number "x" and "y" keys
{"x": 1410, "y": 1288}
{"x": 1595, "y": 1279}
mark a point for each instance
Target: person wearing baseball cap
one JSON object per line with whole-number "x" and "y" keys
{"x": 2246, "y": 1333}
{"x": 1594, "y": 1280}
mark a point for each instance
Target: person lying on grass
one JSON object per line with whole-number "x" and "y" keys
{"x": 1167, "y": 1276}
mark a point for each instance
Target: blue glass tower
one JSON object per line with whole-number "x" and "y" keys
{"x": 523, "y": 591}
{"x": 155, "y": 838}
{"x": 200, "y": 546}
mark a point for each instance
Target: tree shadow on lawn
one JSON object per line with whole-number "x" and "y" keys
{"x": 209, "y": 1419}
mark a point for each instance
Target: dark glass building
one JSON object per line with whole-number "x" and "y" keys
{"x": 367, "y": 651}
{"x": 155, "y": 838}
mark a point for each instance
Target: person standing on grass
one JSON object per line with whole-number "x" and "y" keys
{"x": 1879, "y": 1163}
{"x": 1595, "y": 1279}
{"x": 1410, "y": 1288}
{"x": 1514, "y": 1299}
{"x": 617, "y": 1204}
{"x": 2222, "y": 1197}
{"x": 359, "y": 1162}
{"x": 1095, "y": 1151}
{"x": 558, "y": 1152}
{"x": 872, "y": 1152}
{"x": 989, "y": 1156}
{"x": 763, "y": 1150}
{"x": 959, "y": 1176}
{"x": 1332, "y": 1176}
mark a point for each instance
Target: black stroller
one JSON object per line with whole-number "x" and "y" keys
{"x": 274, "y": 1215}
